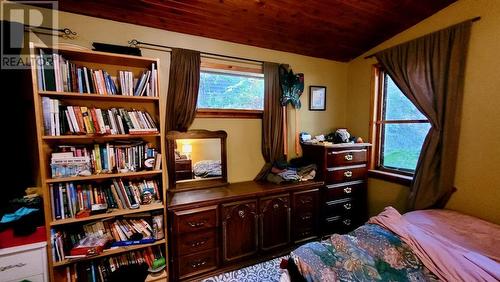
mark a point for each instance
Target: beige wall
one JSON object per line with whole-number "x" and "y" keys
{"x": 244, "y": 135}
{"x": 477, "y": 178}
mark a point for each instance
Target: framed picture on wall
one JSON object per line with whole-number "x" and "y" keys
{"x": 317, "y": 98}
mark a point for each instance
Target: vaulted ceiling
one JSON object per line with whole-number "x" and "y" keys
{"x": 333, "y": 29}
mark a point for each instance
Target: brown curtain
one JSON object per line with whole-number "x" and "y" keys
{"x": 430, "y": 72}
{"x": 183, "y": 86}
{"x": 272, "y": 120}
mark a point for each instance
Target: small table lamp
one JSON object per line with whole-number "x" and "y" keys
{"x": 187, "y": 149}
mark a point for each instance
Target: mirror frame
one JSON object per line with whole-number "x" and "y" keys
{"x": 172, "y": 136}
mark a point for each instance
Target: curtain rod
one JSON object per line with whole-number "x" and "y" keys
{"x": 65, "y": 32}
{"x": 373, "y": 54}
{"x": 135, "y": 42}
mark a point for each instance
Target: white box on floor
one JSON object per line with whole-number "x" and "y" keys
{"x": 24, "y": 262}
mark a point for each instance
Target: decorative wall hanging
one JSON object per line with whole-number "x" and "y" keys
{"x": 292, "y": 86}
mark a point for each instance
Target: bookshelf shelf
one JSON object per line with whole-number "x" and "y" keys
{"x": 104, "y": 176}
{"x": 98, "y": 137}
{"x": 81, "y": 54}
{"x": 109, "y": 252}
{"x": 104, "y": 72}
{"x": 114, "y": 213}
{"x": 96, "y": 97}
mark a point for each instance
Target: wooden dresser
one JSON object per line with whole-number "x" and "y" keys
{"x": 183, "y": 169}
{"x": 225, "y": 228}
{"x": 343, "y": 168}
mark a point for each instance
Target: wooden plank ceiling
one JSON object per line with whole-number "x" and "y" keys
{"x": 333, "y": 29}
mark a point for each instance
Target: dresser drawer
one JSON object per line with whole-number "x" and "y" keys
{"x": 183, "y": 165}
{"x": 344, "y": 190}
{"x": 22, "y": 264}
{"x": 304, "y": 218}
{"x": 197, "y": 263}
{"x": 35, "y": 278}
{"x": 195, "y": 219}
{"x": 195, "y": 242}
{"x": 343, "y": 174}
{"x": 348, "y": 157}
{"x": 305, "y": 200}
{"x": 338, "y": 224}
{"x": 305, "y": 225}
{"x": 340, "y": 207}
{"x": 183, "y": 175}
{"x": 304, "y": 233}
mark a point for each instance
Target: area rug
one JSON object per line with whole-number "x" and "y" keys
{"x": 268, "y": 271}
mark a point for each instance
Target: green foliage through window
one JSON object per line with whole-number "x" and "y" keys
{"x": 230, "y": 91}
{"x": 402, "y": 142}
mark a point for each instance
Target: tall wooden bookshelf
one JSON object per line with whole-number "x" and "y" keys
{"x": 112, "y": 64}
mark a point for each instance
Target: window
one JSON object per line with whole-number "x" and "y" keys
{"x": 399, "y": 128}
{"x": 230, "y": 93}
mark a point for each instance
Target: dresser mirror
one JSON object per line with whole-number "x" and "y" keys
{"x": 196, "y": 159}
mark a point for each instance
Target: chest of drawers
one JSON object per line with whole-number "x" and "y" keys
{"x": 225, "y": 228}
{"x": 24, "y": 263}
{"x": 343, "y": 168}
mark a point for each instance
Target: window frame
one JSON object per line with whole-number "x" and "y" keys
{"x": 377, "y": 128}
{"x": 210, "y": 66}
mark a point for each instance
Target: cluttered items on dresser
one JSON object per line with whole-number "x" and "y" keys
{"x": 295, "y": 171}
{"x": 196, "y": 159}
{"x": 339, "y": 136}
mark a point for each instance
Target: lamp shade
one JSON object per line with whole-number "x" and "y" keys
{"x": 187, "y": 148}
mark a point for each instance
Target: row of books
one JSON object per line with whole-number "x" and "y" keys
{"x": 123, "y": 230}
{"x": 56, "y": 73}
{"x": 78, "y": 200}
{"x": 106, "y": 269}
{"x": 97, "y": 237}
{"x": 116, "y": 157}
{"x": 133, "y": 229}
{"x": 65, "y": 120}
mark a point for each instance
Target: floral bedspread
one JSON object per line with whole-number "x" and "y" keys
{"x": 369, "y": 253}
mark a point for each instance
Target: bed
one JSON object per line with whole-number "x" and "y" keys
{"x": 207, "y": 169}
{"x": 430, "y": 245}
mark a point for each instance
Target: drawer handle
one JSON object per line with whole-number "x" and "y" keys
{"x": 196, "y": 264}
{"x": 347, "y": 206}
{"x": 348, "y": 173}
{"x": 348, "y": 190}
{"x": 305, "y": 217}
{"x": 196, "y": 224}
{"x": 199, "y": 243}
{"x": 308, "y": 200}
{"x": 241, "y": 213}
{"x": 5, "y": 268}
{"x": 276, "y": 206}
{"x": 346, "y": 222}
{"x": 348, "y": 157}
{"x": 305, "y": 233}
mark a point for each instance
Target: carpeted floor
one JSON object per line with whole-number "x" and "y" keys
{"x": 267, "y": 271}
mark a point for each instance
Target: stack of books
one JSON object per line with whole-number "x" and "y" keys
{"x": 56, "y": 73}
{"x": 62, "y": 120}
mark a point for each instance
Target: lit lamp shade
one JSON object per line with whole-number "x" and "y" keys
{"x": 187, "y": 148}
